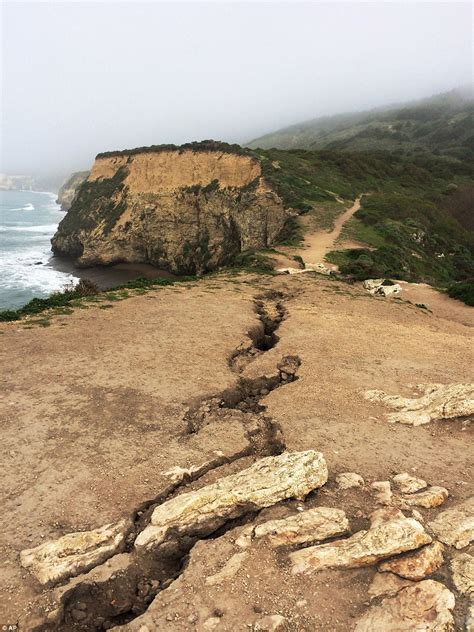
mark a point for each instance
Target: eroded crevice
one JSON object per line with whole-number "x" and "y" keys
{"x": 271, "y": 311}
{"x": 122, "y": 588}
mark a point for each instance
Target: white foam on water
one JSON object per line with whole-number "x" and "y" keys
{"x": 45, "y": 228}
{"x": 25, "y": 269}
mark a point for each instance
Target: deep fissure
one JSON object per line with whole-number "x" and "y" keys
{"x": 123, "y": 593}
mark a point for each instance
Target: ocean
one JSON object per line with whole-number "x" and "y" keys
{"x": 28, "y": 269}
{"x": 28, "y": 220}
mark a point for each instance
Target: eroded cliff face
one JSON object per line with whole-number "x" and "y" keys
{"x": 68, "y": 190}
{"x": 183, "y": 210}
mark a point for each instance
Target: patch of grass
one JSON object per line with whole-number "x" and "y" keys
{"x": 462, "y": 292}
{"x": 85, "y": 290}
{"x": 106, "y": 306}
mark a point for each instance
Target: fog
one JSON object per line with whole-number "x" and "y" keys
{"x": 79, "y": 78}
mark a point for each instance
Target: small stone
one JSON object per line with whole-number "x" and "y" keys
{"x": 78, "y": 615}
{"x": 308, "y": 526}
{"x": 346, "y": 480}
{"x": 455, "y": 526}
{"x": 270, "y": 623}
{"x": 409, "y": 484}
{"x": 383, "y": 492}
{"x": 426, "y": 606}
{"x": 211, "y": 623}
{"x": 387, "y": 584}
{"x": 431, "y": 497}
{"x": 418, "y": 565}
{"x": 462, "y": 569}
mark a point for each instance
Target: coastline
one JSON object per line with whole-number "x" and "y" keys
{"x": 107, "y": 277}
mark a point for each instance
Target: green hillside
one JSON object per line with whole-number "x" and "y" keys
{"x": 443, "y": 124}
{"x": 413, "y": 223}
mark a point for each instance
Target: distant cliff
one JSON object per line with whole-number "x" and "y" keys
{"x": 16, "y": 183}
{"x": 69, "y": 188}
{"x": 187, "y": 209}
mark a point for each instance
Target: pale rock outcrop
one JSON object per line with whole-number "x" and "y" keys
{"x": 308, "y": 526}
{"x": 439, "y": 401}
{"x": 270, "y": 623}
{"x": 268, "y": 481}
{"x": 407, "y": 484}
{"x": 346, "y": 480}
{"x": 431, "y": 497}
{"x": 383, "y": 492}
{"x": 462, "y": 570}
{"x": 417, "y": 565}
{"x": 390, "y": 533}
{"x": 309, "y": 267}
{"x": 387, "y": 584}
{"x": 74, "y": 553}
{"x": 426, "y": 606}
{"x": 381, "y": 287}
{"x": 455, "y": 526}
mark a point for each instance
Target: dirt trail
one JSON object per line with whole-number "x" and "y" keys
{"x": 318, "y": 244}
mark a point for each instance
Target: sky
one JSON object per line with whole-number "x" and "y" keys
{"x": 78, "y": 78}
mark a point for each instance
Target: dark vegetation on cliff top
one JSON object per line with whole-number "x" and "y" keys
{"x": 198, "y": 146}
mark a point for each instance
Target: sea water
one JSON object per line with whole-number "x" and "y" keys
{"x": 28, "y": 220}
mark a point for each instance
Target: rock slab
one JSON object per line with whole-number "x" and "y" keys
{"x": 418, "y": 565}
{"x": 74, "y": 553}
{"x": 385, "y": 538}
{"x": 268, "y": 481}
{"x": 427, "y": 606}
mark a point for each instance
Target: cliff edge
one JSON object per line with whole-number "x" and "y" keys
{"x": 68, "y": 189}
{"x": 187, "y": 209}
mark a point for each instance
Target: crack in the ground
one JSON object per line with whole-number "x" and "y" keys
{"x": 122, "y": 588}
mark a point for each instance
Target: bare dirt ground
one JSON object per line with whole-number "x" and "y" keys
{"x": 94, "y": 413}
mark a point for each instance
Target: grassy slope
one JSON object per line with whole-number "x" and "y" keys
{"x": 442, "y": 124}
{"x": 406, "y": 219}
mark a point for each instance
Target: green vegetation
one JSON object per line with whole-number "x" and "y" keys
{"x": 95, "y": 201}
{"x": 442, "y": 124}
{"x": 407, "y": 220}
{"x": 463, "y": 292}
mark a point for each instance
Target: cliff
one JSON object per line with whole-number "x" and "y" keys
{"x": 69, "y": 189}
{"x": 187, "y": 209}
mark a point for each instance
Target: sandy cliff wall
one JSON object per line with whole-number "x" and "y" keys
{"x": 183, "y": 210}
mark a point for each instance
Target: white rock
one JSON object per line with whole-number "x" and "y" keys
{"x": 418, "y": 564}
{"x": 383, "y": 492}
{"x": 311, "y": 525}
{"x": 74, "y": 553}
{"x": 424, "y": 607}
{"x": 385, "y": 538}
{"x": 462, "y": 569}
{"x": 439, "y": 401}
{"x": 387, "y": 584}
{"x": 408, "y": 484}
{"x": 431, "y": 497}
{"x": 346, "y": 480}
{"x": 268, "y": 481}
{"x": 455, "y": 526}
